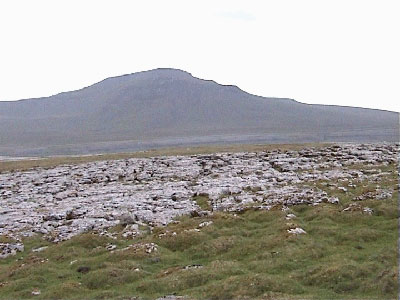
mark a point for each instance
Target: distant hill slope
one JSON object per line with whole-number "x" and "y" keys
{"x": 168, "y": 107}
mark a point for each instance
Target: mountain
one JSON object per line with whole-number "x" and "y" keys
{"x": 168, "y": 107}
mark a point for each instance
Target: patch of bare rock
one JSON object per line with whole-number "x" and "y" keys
{"x": 67, "y": 200}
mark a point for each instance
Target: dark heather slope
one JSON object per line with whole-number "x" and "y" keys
{"x": 167, "y": 107}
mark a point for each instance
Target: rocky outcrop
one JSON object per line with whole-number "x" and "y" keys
{"x": 68, "y": 200}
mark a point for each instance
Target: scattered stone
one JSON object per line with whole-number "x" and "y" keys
{"x": 204, "y": 224}
{"x": 172, "y": 297}
{"x": 383, "y": 194}
{"x": 131, "y": 231}
{"x": 111, "y": 247}
{"x": 150, "y": 248}
{"x": 146, "y": 247}
{"x": 378, "y": 194}
{"x": 355, "y": 207}
{"x": 189, "y": 267}
{"x": 368, "y": 210}
{"x": 290, "y": 216}
{"x": 10, "y": 249}
{"x": 334, "y": 200}
{"x": 296, "y": 231}
{"x": 40, "y": 249}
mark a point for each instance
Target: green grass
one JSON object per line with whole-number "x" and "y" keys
{"x": 203, "y": 202}
{"x": 344, "y": 255}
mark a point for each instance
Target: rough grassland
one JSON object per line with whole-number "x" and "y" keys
{"x": 344, "y": 255}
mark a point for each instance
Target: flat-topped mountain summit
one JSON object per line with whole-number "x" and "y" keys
{"x": 168, "y": 107}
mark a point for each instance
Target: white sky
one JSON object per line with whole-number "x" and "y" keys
{"x": 330, "y": 52}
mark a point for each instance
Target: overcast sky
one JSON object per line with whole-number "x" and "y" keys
{"x": 329, "y": 52}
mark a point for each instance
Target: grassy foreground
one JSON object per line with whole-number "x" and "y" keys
{"x": 344, "y": 255}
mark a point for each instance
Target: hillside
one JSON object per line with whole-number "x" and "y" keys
{"x": 169, "y": 107}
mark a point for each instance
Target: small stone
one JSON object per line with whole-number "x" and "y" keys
{"x": 290, "y": 216}
{"x": 333, "y": 200}
{"x": 204, "y": 224}
{"x": 368, "y": 210}
{"x": 111, "y": 247}
{"x": 150, "y": 248}
{"x": 193, "y": 267}
{"x": 10, "y": 249}
{"x": 40, "y": 249}
{"x": 296, "y": 231}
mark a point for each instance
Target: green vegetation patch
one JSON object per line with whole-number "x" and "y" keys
{"x": 344, "y": 255}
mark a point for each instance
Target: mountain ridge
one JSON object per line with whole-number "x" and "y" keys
{"x": 206, "y": 80}
{"x": 171, "y": 103}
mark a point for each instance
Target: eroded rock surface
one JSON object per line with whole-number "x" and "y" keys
{"x": 67, "y": 200}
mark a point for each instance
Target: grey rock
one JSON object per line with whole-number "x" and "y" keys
{"x": 154, "y": 191}
{"x": 296, "y": 231}
{"x": 40, "y": 249}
